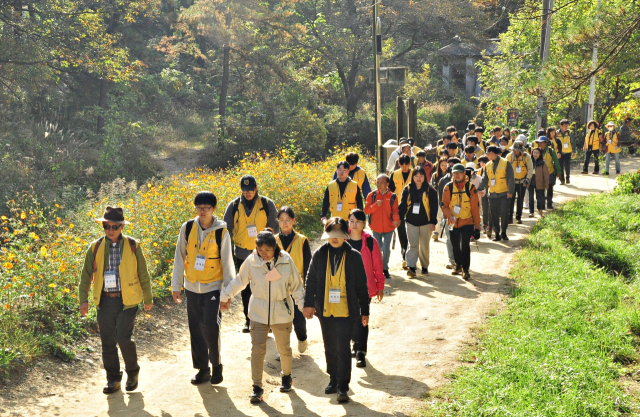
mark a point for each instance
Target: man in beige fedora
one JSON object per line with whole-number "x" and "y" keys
{"x": 118, "y": 270}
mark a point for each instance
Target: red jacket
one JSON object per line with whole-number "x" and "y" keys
{"x": 372, "y": 265}
{"x": 383, "y": 216}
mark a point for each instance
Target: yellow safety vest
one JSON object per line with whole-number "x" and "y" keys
{"x": 338, "y": 280}
{"x": 258, "y": 218}
{"x": 295, "y": 249}
{"x": 519, "y": 161}
{"x": 611, "y": 146}
{"x": 462, "y": 199}
{"x": 212, "y": 265}
{"x": 129, "y": 281}
{"x": 359, "y": 177}
{"x": 548, "y": 159}
{"x": 348, "y": 200}
{"x": 399, "y": 181}
{"x": 500, "y": 176}
{"x": 425, "y": 201}
{"x": 565, "y": 138}
{"x": 593, "y": 139}
{"x": 474, "y": 160}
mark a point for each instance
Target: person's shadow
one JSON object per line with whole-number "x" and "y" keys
{"x": 392, "y": 384}
{"x": 217, "y": 402}
{"x": 135, "y": 407}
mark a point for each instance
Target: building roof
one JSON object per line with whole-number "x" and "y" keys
{"x": 460, "y": 48}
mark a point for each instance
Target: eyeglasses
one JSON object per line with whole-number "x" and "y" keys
{"x": 206, "y": 208}
{"x": 355, "y": 221}
{"x": 111, "y": 227}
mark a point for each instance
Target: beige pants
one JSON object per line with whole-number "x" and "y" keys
{"x": 419, "y": 238}
{"x": 259, "y": 335}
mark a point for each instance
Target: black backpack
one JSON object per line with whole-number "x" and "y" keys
{"x": 373, "y": 199}
{"x": 467, "y": 188}
{"x": 265, "y": 205}
{"x": 189, "y": 226}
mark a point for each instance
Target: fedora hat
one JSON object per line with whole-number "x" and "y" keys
{"x": 113, "y": 214}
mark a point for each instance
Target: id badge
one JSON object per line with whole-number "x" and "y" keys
{"x": 416, "y": 208}
{"x": 110, "y": 280}
{"x": 566, "y": 146}
{"x": 456, "y": 209}
{"x": 493, "y": 182}
{"x": 518, "y": 170}
{"x": 334, "y": 295}
{"x": 199, "y": 266}
{"x": 610, "y": 142}
{"x": 252, "y": 230}
{"x": 339, "y": 207}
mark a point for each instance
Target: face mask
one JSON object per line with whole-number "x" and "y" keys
{"x": 503, "y": 147}
{"x": 610, "y": 128}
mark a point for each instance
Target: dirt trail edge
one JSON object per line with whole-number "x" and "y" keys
{"x": 417, "y": 335}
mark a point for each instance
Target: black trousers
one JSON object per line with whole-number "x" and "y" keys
{"x": 486, "y": 212}
{"x": 402, "y": 237}
{"x": 540, "y": 200}
{"x": 203, "y": 313}
{"x": 460, "y": 240}
{"x": 517, "y": 200}
{"x": 587, "y": 158}
{"x": 116, "y": 329}
{"x": 499, "y": 208}
{"x": 299, "y": 322}
{"x": 246, "y": 292}
{"x": 360, "y": 335}
{"x": 565, "y": 166}
{"x": 336, "y": 334}
{"x": 552, "y": 182}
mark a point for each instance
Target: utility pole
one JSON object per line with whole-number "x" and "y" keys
{"x": 545, "y": 43}
{"x": 594, "y": 65}
{"x": 377, "y": 52}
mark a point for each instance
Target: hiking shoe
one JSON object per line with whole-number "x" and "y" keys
{"x": 561, "y": 182}
{"x": 111, "y": 387}
{"x": 605, "y": 173}
{"x": 343, "y": 397}
{"x": 568, "y": 181}
{"x": 531, "y": 215}
{"x": 203, "y": 375}
{"x": 332, "y": 388}
{"x": 256, "y": 396}
{"x": 246, "y": 329}
{"x": 360, "y": 361}
{"x": 404, "y": 265}
{"x": 216, "y": 375}
{"x": 550, "y": 207}
{"x": 286, "y": 383}
{"x": 302, "y": 346}
{"x": 585, "y": 172}
{"x": 496, "y": 239}
{"x": 519, "y": 221}
{"x": 466, "y": 276}
{"x": 132, "y": 381}
{"x": 457, "y": 271}
{"x": 504, "y": 237}
{"x": 387, "y": 275}
{"x": 451, "y": 265}
{"x": 425, "y": 271}
{"x": 411, "y": 273}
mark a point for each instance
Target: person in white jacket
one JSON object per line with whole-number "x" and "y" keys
{"x": 273, "y": 277}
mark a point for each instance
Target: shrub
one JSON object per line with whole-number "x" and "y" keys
{"x": 628, "y": 183}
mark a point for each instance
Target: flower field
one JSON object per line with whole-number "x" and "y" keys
{"x": 43, "y": 247}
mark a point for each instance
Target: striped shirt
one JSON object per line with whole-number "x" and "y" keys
{"x": 115, "y": 257}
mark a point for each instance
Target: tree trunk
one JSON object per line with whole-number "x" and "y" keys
{"x": 224, "y": 88}
{"x": 102, "y": 103}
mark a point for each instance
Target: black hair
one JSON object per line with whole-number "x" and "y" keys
{"x": 542, "y": 132}
{"x": 421, "y": 153}
{"x": 418, "y": 170}
{"x": 483, "y": 159}
{"x": 447, "y": 136}
{"x": 343, "y": 164}
{"x": 266, "y": 237}
{"x": 205, "y": 197}
{"x": 470, "y": 149}
{"x": 286, "y": 209}
{"x": 504, "y": 138}
{"x": 358, "y": 214}
{"x": 549, "y": 130}
{"x": 472, "y": 138}
{"x": 452, "y": 145}
{"x": 352, "y": 158}
{"x": 453, "y": 160}
{"x": 495, "y": 149}
{"x": 597, "y": 125}
{"x": 337, "y": 221}
{"x": 404, "y": 159}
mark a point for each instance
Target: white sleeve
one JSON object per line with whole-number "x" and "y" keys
{"x": 177, "y": 277}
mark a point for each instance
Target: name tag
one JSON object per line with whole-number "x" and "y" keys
{"x": 566, "y": 146}
{"x": 110, "y": 280}
{"x": 416, "y": 208}
{"x": 334, "y": 295}
{"x": 252, "y": 230}
{"x": 456, "y": 209}
{"x": 493, "y": 182}
{"x": 339, "y": 207}
{"x": 518, "y": 170}
{"x": 199, "y": 266}
{"x": 610, "y": 142}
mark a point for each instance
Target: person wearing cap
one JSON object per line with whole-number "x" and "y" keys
{"x": 391, "y": 163}
{"x": 384, "y": 218}
{"x": 414, "y": 148}
{"x": 625, "y": 136}
{"x": 399, "y": 180}
{"x": 612, "y": 146}
{"x": 341, "y": 195}
{"x": 523, "y": 171}
{"x": 499, "y": 180}
{"x": 356, "y": 173}
{"x": 461, "y": 207}
{"x": 419, "y": 207}
{"x": 539, "y": 182}
{"x": 441, "y": 184}
{"x": 567, "y": 145}
{"x": 470, "y": 132}
{"x": 591, "y": 147}
{"x": 202, "y": 263}
{"x": 246, "y": 216}
{"x": 337, "y": 293}
{"x": 117, "y": 269}
{"x": 553, "y": 165}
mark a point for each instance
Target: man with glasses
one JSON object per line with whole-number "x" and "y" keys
{"x": 246, "y": 216}
{"x": 118, "y": 270}
{"x": 203, "y": 261}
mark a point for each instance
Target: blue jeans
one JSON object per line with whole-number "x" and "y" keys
{"x": 384, "y": 240}
{"x": 607, "y": 159}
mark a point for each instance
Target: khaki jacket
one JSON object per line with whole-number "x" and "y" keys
{"x": 269, "y": 299}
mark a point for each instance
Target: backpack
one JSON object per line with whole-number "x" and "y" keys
{"x": 373, "y": 199}
{"x": 189, "y": 226}
{"x": 467, "y": 188}
{"x": 370, "y": 244}
{"x": 265, "y": 206}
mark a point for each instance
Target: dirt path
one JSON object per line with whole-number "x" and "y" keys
{"x": 418, "y": 333}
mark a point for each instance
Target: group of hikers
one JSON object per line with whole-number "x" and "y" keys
{"x": 255, "y": 250}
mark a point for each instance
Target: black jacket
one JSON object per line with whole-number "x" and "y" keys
{"x": 356, "y": 282}
{"x": 420, "y": 219}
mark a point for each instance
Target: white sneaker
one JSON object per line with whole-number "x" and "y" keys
{"x": 302, "y": 346}
{"x": 278, "y": 357}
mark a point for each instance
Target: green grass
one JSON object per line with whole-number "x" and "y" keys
{"x": 570, "y": 331}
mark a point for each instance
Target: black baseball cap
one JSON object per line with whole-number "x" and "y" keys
{"x": 248, "y": 183}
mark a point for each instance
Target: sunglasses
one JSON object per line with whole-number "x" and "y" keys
{"x": 112, "y": 227}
